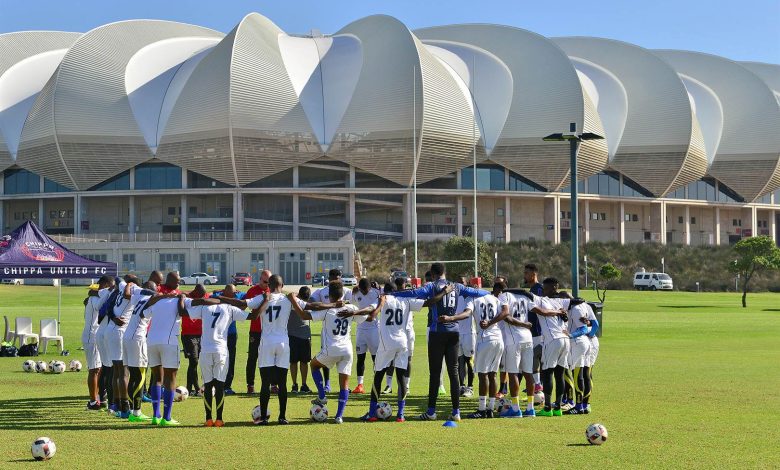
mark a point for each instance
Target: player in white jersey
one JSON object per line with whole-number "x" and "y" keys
{"x": 89, "y": 338}
{"x": 490, "y": 346}
{"x": 587, "y": 371}
{"x": 582, "y": 324}
{"x": 321, "y": 296}
{"x": 468, "y": 343}
{"x": 163, "y": 350}
{"x": 336, "y": 345}
{"x": 518, "y": 350}
{"x": 216, "y": 319}
{"x": 367, "y": 334}
{"x": 121, "y": 312}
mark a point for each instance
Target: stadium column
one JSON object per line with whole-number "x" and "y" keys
{"x": 459, "y": 217}
{"x": 131, "y": 218}
{"x": 238, "y": 216}
{"x": 716, "y": 237}
{"x": 406, "y": 217}
{"x": 296, "y": 217}
{"x": 507, "y": 219}
{"x": 622, "y": 226}
{"x": 183, "y": 218}
{"x": 77, "y": 214}
{"x": 687, "y": 238}
{"x": 586, "y": 218}
{"x": 772, "y": 224}
{"x": 754, "y": 221}
{"x": 351, "y": 213}
{"x": 552, "y": 219}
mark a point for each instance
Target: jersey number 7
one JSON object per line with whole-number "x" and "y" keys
{"x": 271, "y": 310}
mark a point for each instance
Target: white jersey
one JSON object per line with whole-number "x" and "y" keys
{"x": 123, "y": 307}
{"x": 552, "y": 327}
{"x": 366, "y": 300}
{"x": 323, "y": 295}
{"x": 216, "y": 322}
{"x": 485, "y": 308}
{"x": 336, "y": 335}
{"x": 575, "y": 316}
{"x": 393, "y": 321}
{"x": 518, "y": 309}
{"x": 91, "y": 314}
{"x": 465, "y": 327}
{"x": 165, "y": 321}
{"x": 276, "y": 315}
{"x": 137, "y": 325}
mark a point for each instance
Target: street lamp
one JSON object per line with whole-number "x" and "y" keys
{"x": 574, "y": 141}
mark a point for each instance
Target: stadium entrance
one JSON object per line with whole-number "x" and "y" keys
{"x": 292, "y": 267}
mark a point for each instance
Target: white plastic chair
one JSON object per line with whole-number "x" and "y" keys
{"x": 9, "y": 335}
{"x": 49, "y": 333}
{"x": 24, "y": 330}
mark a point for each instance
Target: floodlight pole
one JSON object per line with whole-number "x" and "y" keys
{"x": 575, "y": 246}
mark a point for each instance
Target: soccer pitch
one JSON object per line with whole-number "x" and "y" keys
{"x": 682, "y": 380}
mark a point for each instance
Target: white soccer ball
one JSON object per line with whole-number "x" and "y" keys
{"x": 596, "y": 434}
{"x": 503, "y": 404}
{"x": 539, "y": 398}
{"x": 75, "y": 366}
{"x": 257, "y": 415}
{"x": 43, "y": 448}
{"x": 28, "y": 365}
{"x": 181, "y": 393}
{"x": 58, "y": 367}
{"x": 384, "y": 410}
{"x": 319, "y": 413}
{"x": 41, "y": 366}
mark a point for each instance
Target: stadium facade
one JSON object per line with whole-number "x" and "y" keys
{"x": 166, "y": 145}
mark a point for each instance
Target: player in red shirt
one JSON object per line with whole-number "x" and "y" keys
{"x": 255, "y": 330}
{"x": 191, "y": 331}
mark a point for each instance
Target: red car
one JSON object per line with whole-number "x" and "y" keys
{"x": 242, "y": 279}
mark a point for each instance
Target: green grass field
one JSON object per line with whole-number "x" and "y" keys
{"x": 683, "y": 380}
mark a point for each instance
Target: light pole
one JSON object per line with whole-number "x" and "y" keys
{"x": 495, "y": 257}
{"x": 405, "y": 260}
{"x": 574, "y": 141}
{"x": 585, "y": 258}
{"x": 663, "y": 265}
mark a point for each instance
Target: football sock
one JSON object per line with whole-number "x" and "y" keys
{"x": 372, "y": 405}
{"x": 568, "y": 389}
{"x": 360, "y": 380}
{"x": 559, "y": 381}
{"x": 401, "y": 405}
{"x": 492, "y": 403}
{"x": 266, "y": 377}
{"x": 281, "y": 379}
{"x": 361, "y": 366}
{"x": 155, "y": 393}
{"x": 167, "y": 404}
{"x": 537, "y": 380}
{"x": 326, "y": 376}
{"x": 516, "y": 403}
{"x": 208, "y": 395}
{"x": 503, "y": 388}
{"x": 316, "y": 375}
{"x": 343, "y": 397}
{"x": 192, "y": 374}
{"x": 376, "y": 387}
{"x": 530, "y": 404}
{"x": 219, "y": 397}
{"x": 430, "y": 411}
{"x": 587, "y": 388}
{"x": 482, "y": 403}
{"x": 547, "y": 384}
{"x": 403, "y": 383}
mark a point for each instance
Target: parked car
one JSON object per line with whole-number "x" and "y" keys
{"x": 349, "y": 280}
{"x": 242, "y": 279}
{"x": 400, "y": 274}
{"x": 652, "y": 281}
{"x": 199, "y": 278}
{"x": 318, "y": 279}
{"x": 15, "y": 282}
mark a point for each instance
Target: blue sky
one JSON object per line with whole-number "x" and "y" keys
{"x": 739, "y": 30}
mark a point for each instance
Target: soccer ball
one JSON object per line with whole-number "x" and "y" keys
{"x": 181, "y": 393}
{"x": 58, "y": 367}
{"x": 41, "y": 366}
{"x": 319, "y": 413}
{"x": 503, "y": 404}
{"x": 75, "y": 366}
{"x": 29, "y": 365}
{"x": 538, "y": 398}
{"x": 43, "y": 448}
{"x": 384, "y": 410}
{"x": 257, "y": 415}
{"x": 596, "y": 434}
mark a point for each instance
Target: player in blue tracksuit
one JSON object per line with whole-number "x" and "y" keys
{"x": 443, "y": 337}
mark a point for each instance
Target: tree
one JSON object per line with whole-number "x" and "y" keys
{"x": 606, "y": 273}
{"x": 754, "y": 255}
{"x": 463, "y": 248}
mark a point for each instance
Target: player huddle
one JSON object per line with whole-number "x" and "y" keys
{"x": 130, "y": 326}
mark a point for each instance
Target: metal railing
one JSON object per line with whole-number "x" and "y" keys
{"x": 249, "y": 235}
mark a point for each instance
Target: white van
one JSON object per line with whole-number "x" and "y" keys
{"x": 652, "y": 281}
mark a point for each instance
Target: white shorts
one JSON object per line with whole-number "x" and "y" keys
{"x": 593, "y": 352}
{"x": 342, "y": 364}
{"x": 93, "y": 356}
{"x": 488, "y": 356}
{"x": 519, "y": 358}
{"x": 367, "y": 341}
{"x": 579, "y": 352}
{"x": 385, "y": 357}
{"x": 410, "y": 336}
{"x": 113, "y": 340}
{"x": 555, "y": 353}
{"x": 467, "y": 345}
{"x": 166, "y": 355}
{"x": 135, "y": 353}
{"x": 274, "y": 352}
{"x": 100, "y": 340}
{"x": 213, "y": 366}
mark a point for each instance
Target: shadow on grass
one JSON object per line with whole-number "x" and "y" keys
{"x": 579, "y": 444}
{"x": 770, "y": 310}
{"x": 687, "y": 306}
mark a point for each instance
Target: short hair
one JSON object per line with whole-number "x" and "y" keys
{"x": 334, "y": 274}
{"x": 150, "y": 285}
{"x": 335, "y": 290}
{"x": 363, "y": 283}
{"x": 304, "y": 293}
{"x": 105, "y": 280}
{"x": 462, "y": 279}
{"x": 389, "y": 287}
{"x": 564, "y": 295}
{"x": 499, "y": 286}
{"x": 428, "y": 277}
{"x": 132, "y": 278}
{"x": 399, "y": 284}
{"x": 275, "y": 281}
{"x": 532, "y": 267}
{"x": 437, "y": 269}
{"x": 550, "y": 281}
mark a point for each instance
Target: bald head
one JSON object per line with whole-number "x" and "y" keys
{"x": 156, "y": 277}
{"x": 172, "y": 280}
{"x": 229, "y": 291}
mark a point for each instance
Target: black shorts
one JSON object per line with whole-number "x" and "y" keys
{"x": 191, "y": 346}
{"x": 300, "y": 349}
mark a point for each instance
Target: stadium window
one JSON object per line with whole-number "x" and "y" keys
{"x": 500, "y": 212}
{"x": 96, "y": 257}
{"x": 21, "y": 182}
{"x": 128, "y": 262}
{"x": 594, "y": 216}
{"x": 518, "y": 183}
{"x": 50, "y": 186}
{"x": 765, "y": 199}
{"x": 171, "y": 211}
{"x": 680, "y": 219}
{"x": 157, "y": 176}
{"x": 603, "y": 216}
{"x": 627, "y": 217}
{"x": 464, "y": 210}
{"x": 633, "y": 189}
{"x": 117, "y": 183}
{"x": 489, "y": 177}
{"x": 196, "y": 180}
{"x": 635, "y": 218}
{"x": 725, "y": 194}
{"x": 693, "y": 220}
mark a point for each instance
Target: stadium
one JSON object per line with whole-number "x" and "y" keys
{"x": 163, "y": 145}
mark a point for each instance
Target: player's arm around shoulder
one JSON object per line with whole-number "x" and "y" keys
{"x": 296, "y": 306}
